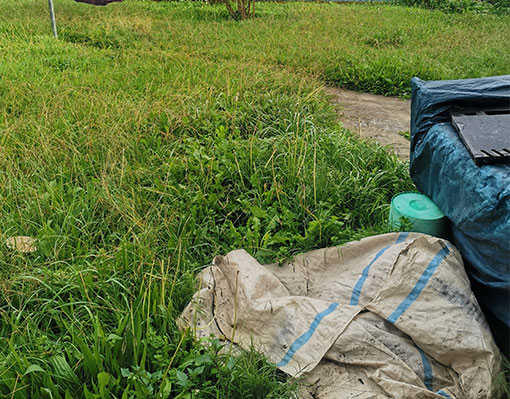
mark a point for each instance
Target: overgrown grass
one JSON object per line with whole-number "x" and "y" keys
{"x": 501, "y": 7}
{"x": 376, "y": 48}
{"x": 151, "y": 137}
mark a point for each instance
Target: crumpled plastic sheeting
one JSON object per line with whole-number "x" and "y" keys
{"x": 390, "y": 316}
{"x": 475, "y": 199}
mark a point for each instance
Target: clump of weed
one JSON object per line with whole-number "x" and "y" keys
{"x": 394, "y": 39}
{"x": 104, "y": 42}
{"x": 503, "y": 379}
{"x": 405, "y": 134}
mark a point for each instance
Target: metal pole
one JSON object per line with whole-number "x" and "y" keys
{"x": 52, "y": 16}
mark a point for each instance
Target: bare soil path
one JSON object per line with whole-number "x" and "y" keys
{"x": 375, "y": 117}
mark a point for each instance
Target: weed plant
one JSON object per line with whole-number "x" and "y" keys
{"x": 151, "y": 137}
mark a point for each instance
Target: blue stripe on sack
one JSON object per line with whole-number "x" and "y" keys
{"x": 356, "y": 292}
{"x": 420, "y": 285}
{"x": 427, "y": 370}
{"x": 303, "y": 339}
{"x": 402, "y": 237}
{"x": 443, "y": 393}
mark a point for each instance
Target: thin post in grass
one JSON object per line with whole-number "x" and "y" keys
{"x": 52, "y": 17}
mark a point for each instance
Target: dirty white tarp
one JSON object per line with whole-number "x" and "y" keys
{"x": 390, "y": 316}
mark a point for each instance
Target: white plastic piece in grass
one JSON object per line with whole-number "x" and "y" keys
{"x": 23, "y": 244}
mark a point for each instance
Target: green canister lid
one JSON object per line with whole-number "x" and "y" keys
{"x": 421, "y": 211}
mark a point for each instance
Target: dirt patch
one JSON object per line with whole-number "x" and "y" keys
{"x": 375, "y": 117}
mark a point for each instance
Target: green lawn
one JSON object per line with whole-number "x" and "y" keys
{"x": 152, "y": 136}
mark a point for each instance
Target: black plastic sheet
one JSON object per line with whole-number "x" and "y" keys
{"x": 98, "y": 2}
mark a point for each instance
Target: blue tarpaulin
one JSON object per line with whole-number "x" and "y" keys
{"x": 476, "y": 199}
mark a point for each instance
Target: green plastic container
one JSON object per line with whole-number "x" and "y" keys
{"x": 419, "y": 209}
